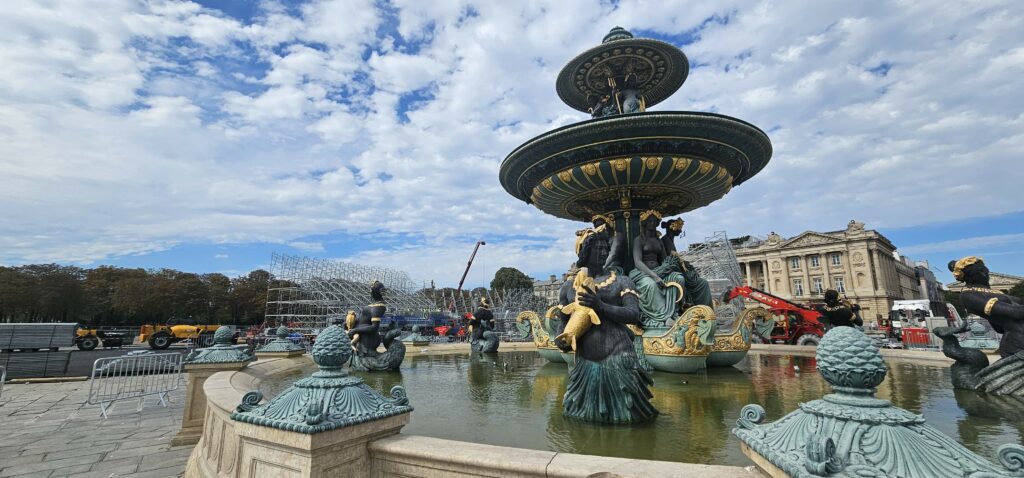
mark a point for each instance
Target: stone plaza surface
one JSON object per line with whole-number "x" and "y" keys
{"x": 49, "y": 430}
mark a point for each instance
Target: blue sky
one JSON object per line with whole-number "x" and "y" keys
{"x": 204, "y": 136}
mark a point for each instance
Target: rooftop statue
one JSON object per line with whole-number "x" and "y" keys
{"x": 606, "y": 383}
{"x": 482, "y": 337}
{"x": 1006, "y": 315}
{"x": 365, "y": 334}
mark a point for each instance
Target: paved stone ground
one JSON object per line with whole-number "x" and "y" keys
{"x": 48, "y": 430}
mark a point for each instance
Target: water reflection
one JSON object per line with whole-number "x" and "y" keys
{"x": 514, "y": 399}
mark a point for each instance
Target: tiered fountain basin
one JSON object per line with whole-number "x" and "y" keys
{"x": 500, "y": 415}
{"x": 673, "y": 162}
{"x": 667, "y": 349}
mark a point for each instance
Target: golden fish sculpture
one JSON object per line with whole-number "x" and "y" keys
{"x": 581, "y": 317}
{"x": 350, "y": 322}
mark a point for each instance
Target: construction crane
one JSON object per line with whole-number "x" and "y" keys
{"x": 458, "y": 290}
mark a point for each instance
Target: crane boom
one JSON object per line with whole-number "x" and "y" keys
{"x": 470, "y": 263}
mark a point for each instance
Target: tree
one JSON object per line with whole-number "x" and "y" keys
{"x": 511, "y": 278}
{"x": 1017, "y": 290}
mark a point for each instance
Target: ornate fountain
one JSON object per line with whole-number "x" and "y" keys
{"x": 627, "y": 168}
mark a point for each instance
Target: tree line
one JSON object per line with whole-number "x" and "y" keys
{"x": 117, "y": 296}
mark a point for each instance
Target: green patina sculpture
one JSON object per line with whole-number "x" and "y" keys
{"x": 1006, "y": 315}
{"x": 415, "y": 338}
{"x": 326, "y": 400}
{"x": 282, "y": 344}
{"x": 482, "y": 337}
{"x": 850, "y": 433}
{"x": 223, "y": 351}
{"x": 978, "y": 338}
{"x": 365, "y": 336}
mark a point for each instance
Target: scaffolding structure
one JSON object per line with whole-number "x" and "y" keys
{"x": 307, "y": 293}
{"x": 715, "y": 261}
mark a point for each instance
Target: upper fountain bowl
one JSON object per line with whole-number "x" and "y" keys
{"x": 658, "y": 68}
{"x": 673, "y": 161}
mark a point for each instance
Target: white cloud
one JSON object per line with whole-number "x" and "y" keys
{"x": 132, "y": 127}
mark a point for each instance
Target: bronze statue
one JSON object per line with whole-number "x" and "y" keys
{"x": 482, "y": 337}
{"x": 1006, "y": 315}
{"x": 658, "y": 275}
{"x": 698, "y": 291}
{"x": 366, "y": 337}
{"x": 839, "y": 313}
{"x": 606, "y": 383}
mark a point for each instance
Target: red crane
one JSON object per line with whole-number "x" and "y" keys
{"x": 801, "y": 324}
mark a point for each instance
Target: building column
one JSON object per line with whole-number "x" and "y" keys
{"x": 767, "y": 279}
{"x": 750, "y": 278}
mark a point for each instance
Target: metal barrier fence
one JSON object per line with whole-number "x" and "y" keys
{"x": 3, "y": 378}
{"x": 136, "y": 375}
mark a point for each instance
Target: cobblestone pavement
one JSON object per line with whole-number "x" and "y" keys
{"x": 48, "y": 430}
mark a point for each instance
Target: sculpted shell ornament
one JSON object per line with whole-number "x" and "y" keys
{"x": 850, "y": 433}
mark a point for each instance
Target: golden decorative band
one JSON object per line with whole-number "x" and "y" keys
{"x": 958, "y": 269}
{"x": 629, "y": 291}
{"x": 375, "y": 319}
{"x": 989, "y": 305}
{"x": 648, "y": 213}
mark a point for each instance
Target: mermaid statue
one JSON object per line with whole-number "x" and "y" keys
{"x": 1006, "y": 315}
{"x": 658, "y": 275}
{"x": 606, "y": 383}
{"x": 698, "y": 292}
{"x": 365, "y": 335}
{"x": 482, "y": 337}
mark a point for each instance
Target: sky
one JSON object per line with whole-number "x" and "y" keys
{"x": 204, "y": 136}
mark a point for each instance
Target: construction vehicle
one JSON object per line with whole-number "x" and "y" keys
{"x": 799, "y": 324}
{"x": 159, "y": 337}
{"x": 89, "y": 339}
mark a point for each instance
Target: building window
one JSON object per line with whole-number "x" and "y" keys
{"x": 819, "y": 287}
{"x": 835, "y": 259}
{"x": 798, "y": 287}
{"x": 839, "y": 284}
{"x": 794, "y": 263}
{"x": 815, "y": 261}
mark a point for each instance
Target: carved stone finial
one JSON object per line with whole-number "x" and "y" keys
{"x": 223, "y": 351}
{"x": 282, "y": 346}
{"x": 852, "y": 434}
{"x": 328, "y": 399}
{"x": 224, "y": 335}
{"x": 850, "y": 362}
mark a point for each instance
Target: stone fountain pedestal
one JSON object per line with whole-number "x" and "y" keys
{"x": 270, "y": 452}
{"x": 199, "y": 366}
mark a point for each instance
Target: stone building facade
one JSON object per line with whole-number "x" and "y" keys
{"x": 861, "y": 264}
{"x": 548, "y": 289}
{"x": 999, "y": 281}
